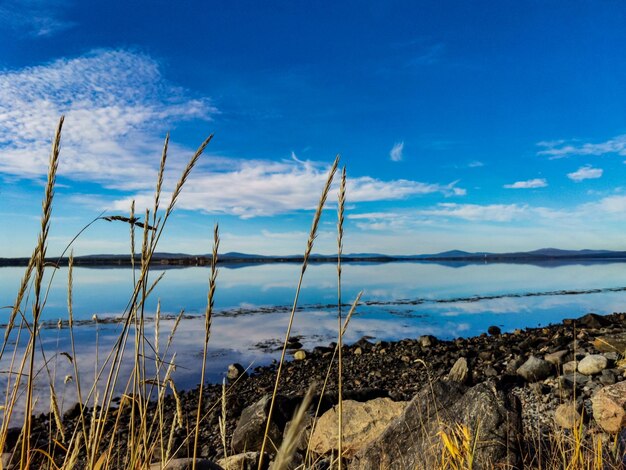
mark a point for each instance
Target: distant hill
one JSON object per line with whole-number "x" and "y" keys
{"x": 183, "y": 259}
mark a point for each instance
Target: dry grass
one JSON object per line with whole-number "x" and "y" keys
{"x": 151, "y": 433}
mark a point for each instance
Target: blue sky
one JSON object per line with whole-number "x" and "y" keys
{"x": 472, "y": 125}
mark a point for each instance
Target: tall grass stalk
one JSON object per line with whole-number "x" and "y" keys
{"x": 42, "y": 244}
{"x": 305, "y": 262}
{"x": 208, "y": 316}
{"x": 340, "y": 219}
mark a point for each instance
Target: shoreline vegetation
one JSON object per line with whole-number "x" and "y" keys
{"x": 547, "y": 398}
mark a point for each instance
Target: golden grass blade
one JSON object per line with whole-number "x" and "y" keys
{"x": 307, "y": 253}
{"x": 207, "y": 334}
{"x": 340, "y": 220}
{"x": 290, "y": 442}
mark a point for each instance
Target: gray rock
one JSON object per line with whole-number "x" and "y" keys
{"x": 413, "y": 439}
{"x": 607, "y": 377}
{"x": 556, "y": 358}
{"x": 186, "y": 464}
{"x": 535, "y": 369}
{"x": 592, "y": 364}
{"x": 460, "y": 371}
{"x": 570, "y": 380}
{"x": 248, "y": 434}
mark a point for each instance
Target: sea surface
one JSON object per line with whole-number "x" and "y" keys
{"x": 252, "y": 306}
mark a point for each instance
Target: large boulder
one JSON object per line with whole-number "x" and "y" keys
{"x": 609, "y": 407}
{"x": 362, "y": 423}
{"x": 250, "y": 429}
{"x": 414, "y": 439}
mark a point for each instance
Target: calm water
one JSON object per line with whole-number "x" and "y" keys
{"x": 400, "y": 300}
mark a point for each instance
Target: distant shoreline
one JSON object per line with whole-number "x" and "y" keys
{"x": 240, "y": 259}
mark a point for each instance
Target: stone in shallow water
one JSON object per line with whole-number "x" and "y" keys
{"x": 592, "y": 364}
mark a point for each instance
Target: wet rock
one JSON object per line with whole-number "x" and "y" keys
{"x": 362, "y": 423}
{"x": 426, "y": 341}
{"x": 460, "y": 371}
{"x": 494, "y": 330}
{"x": 592, "y": 364}
{"x": 243, "y": 461}
{"x": 248, "y": 435}
{"x": 535, "y": 369}
{"x": 186, "y": 464}
{"x": 483, "y": 409}
{"x": 566, "y": 416}
{"x": 235, "y": 371}
{"x": 609, "y": 407}
{"x": 299, "y": 355}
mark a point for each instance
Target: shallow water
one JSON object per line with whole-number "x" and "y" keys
{"x": 252, "y": 306}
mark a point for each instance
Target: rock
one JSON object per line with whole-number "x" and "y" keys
{"x": 591, "y": 320}
{"x": 494, "y": 330}
{"x": 248, "y": 434}
{"x": 570, "y": 367}
{"x": 571, "y": 380}
{"x": 235, "y": 371}
{"x": 490, "y": 371}
{"x": 358, "y": 351}
{"x": 362, "y": 423}
{"x": 566, "y": 416}
{"x": 244, "y": 461}
{"x": 299, "y": 355}
{"x": 460, "y": 371}
{"x": 426, "y": 341}
{"x": 535, "y": 369}
{"x": 513, "y": 365}
{"x": 607, "y": 377}
{"x": 442, "y": 405}
{"x": 592, "y": 364}
{"x": 556, "y": 357}
{"x": 611, "y": 343}
{"x": 186, "y": 464}
{"x": 609, "y": 407}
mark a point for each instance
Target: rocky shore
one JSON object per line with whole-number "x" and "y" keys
{"x": 523, "y": 396}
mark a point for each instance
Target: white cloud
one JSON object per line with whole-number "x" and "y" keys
{"x": 35, "y": 18}
{"x": 585, "y": 173}
{"x": 475, "y": 164}
{"x": 562, "y": 149}
{"x": 528, "y": 184}
{"x": 252, "y": 188}
{"x": 396, "y": 152}
{"x": 115, "y": 103}
{"x": 477, "y": 212}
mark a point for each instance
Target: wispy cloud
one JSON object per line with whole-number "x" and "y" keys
{"x": 428, "y": 55}
{"x": 528, "y": 184}
{"x": 562, "y": 149}
{"x": 252, "y": 188}
{"x": 115, "y": 103}
{"x": 477, "y": 212}
{"x": 475, "y": 164}
{"x": 396, "y": 152}
{"x": 35, "y": 18}
{"x": 585, "y": 173}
